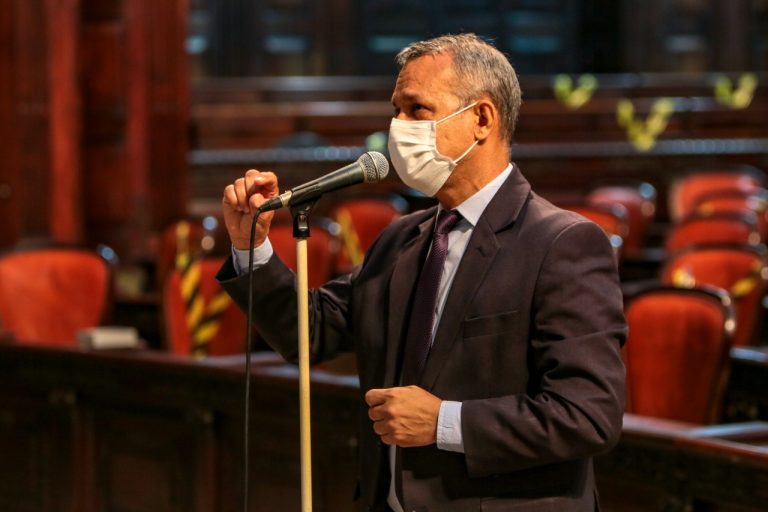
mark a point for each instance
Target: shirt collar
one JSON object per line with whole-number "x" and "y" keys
{"x": 472, "y": 208}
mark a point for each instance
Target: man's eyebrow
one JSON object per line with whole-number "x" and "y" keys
{"x": 408, "y": 97}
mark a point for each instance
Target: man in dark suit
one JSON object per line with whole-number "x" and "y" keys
{"x": 487, "y": 329}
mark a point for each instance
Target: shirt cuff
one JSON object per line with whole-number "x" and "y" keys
{"x": 261, "y": 255}
{"x": 449, "y": 436}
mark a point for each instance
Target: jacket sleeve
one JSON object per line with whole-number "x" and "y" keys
{"x": 574, "y": 403}
{"x": 275, "y": 309}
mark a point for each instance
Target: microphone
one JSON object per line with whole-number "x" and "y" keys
{"x": 369, "y": 168}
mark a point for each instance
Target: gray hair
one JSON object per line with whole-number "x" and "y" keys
{"x": 479, "y": 68}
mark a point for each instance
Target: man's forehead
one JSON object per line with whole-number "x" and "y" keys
{"x": 427, "y": 66}
{"x": 422, "y": 77}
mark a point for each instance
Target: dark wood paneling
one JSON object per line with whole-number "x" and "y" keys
{"x": 348, "y": 37}
{"x": 36, "y": 432}
{"x": 246, "y": 122}
{"x": 10, "y": 197}
{"x": 746, "y": 399}
{"x": 30, "y": 51}
{"x": 143, "y": 432}
{"x": 168, "y": 123}
{"x": 667, "y": 466}
{"x": 252, "y": 117}
{"x": 692, "y": 36}
{"x": 102, "y": 10}
{"x": 108, "y": 210}
{"x": 146, "y": 460}
{"x": 99, "y": 111}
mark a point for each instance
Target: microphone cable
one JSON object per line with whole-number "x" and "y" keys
{"x": 248, "y": 348}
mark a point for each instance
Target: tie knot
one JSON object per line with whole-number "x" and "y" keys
{"x": 446, "y": 221}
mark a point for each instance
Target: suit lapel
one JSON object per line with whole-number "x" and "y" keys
{"x": 403, "y": 281}
{"x": 483, "y": 245}
{"x": 478, "y": 255}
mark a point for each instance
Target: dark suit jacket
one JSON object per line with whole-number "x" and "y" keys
{"x": 529, "y": 341}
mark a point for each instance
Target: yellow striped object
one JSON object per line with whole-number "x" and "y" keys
{"x": 202, "y": 319}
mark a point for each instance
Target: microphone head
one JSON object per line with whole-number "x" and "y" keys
{"x": 375, "y": 166}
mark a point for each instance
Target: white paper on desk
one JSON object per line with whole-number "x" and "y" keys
{"x": 109, "y": 337}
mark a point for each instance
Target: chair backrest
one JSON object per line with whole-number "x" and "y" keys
{"x": 613, "y": 218}
{"x": 739, "y": 270}
{"x": 197, "y": 236}
{"x": 361, "y": 220}
{"x": 639, "y": 199}
{"x": 739, "y": 228}
{"x": 677, "y": 352}
{"x": 48, "y": 294}
{"x": 322, "y": 248}
{"x": 686, "y": 190}
{"x": 736, "y": 201}
{"x": 199, "y": 318}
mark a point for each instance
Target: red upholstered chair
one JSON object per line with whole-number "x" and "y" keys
{"x": 225, "y": 322}
{"x": 677, "y": 352}
{"x": 48, "y": 294}
{"x": 686, "y": 191}
{"x": 361, "y": 220}
{"x": 739, "y": 270}
{"x": 639, "y": 199}
{"x": 613, "y": 218}
{"x": 738, "y": 228}
{"x": 322, "y": 249}
{"x": 729, "y": 201}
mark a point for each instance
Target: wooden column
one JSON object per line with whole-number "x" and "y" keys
{"x": 9, "y": 149}
{"x": 169, "y": 105}
{"x": 66, "y": 214}
{"x": 94, "y": 121}
{"x": 30, "y": 117}
{"x": 136, "y": 108}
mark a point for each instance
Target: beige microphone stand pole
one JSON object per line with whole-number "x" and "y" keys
{"x": 301, "y": 233}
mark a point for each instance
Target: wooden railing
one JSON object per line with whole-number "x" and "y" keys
{"x": 551, "y": 167}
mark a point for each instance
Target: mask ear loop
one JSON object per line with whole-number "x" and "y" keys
{"x": 456, "y": 113}
{"x": 461, "y": 157}
{"x": 470, "y": 148}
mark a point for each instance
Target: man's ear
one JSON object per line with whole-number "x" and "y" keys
{"x": 487, "y": 119}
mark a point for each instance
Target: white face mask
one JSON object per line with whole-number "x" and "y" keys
{"x": 413, "y": 151}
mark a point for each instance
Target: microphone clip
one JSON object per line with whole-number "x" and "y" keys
{"x": 300, "y": 213}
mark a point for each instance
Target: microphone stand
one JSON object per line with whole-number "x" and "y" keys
{"x": 300, "y": 215}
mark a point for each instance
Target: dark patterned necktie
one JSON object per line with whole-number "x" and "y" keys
{"x": 419, "y": 337}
